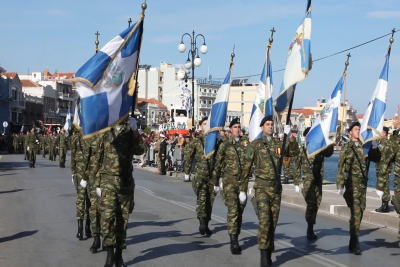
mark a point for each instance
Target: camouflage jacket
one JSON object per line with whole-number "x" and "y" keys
{"x": 313, "y": 164}
{"x": 77, "y": 151}
{"x": 390, "y": 155}
{"x": 32, "y": 140}
{"x": 53, "y": 141}
{"x": 195, "y": 150}
{"x": 62, "y": 141}
{"x": 114, "y": 154}
{"x": 258, "y": 155}
{"x": 348, "y": 163}
{"x": 387, "y": 151}
{"x": 230, "y": 159}
{"x": 25, "y": 140}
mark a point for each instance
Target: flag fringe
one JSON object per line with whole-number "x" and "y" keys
{"x": 107, "y": 128}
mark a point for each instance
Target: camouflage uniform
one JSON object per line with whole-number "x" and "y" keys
{"x": 288, "y": 169}
{"x": 78, "y": 167}
{"x": 26, "y": 153}
{"x": 311, "y": 171}
{"x": 202, "y": 184}
{"x": 53, "y": 145}
{"x": 32, "y": 149}
{"x": 114, "y": 172}
{"x": 62, "y": 148}
{"x": 44, "y": 145}
{"x": 231, "y": 165}
{"x": 15, "y": 142}
{"x": 267, "y": 201}
{"x": 157, "y": 150}
{"x": 383, "y": 167}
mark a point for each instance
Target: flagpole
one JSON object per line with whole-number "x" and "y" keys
{"x": 344, "y": 108}
{"x": 231, "y": 71}
{"x": 132, "y": 81}
{"x": 268, "y": 56}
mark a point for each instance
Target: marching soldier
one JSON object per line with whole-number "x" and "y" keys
{"x": 264, "y": 153}
{"x": 382, "y": 173}
{"x": 288, "y": 169}
{"x": 44, "y": 145}
{"x": 80, "y": 180}
{"x": 15, "y": 142}
{"x": 51, "y": 146}
{"x": 116, "y": 185}
{"x": 203, "y": 185}
{"x": 162, "y": 154}
{"x": 311, "y": 171}
{"x": 32, "y": 143}
{"x": 26, "y": 146}
{"x": 62, "y": 147}
{"x": 352, "y": 162}
{"x": 229, "y": 165}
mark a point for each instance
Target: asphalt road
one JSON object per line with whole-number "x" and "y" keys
{"x": 38, "y": 227}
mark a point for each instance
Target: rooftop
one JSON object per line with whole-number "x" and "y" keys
{"x": 142, "y": 101}
{"x": 29, "y": 83}
{"x": 10, "y": 75}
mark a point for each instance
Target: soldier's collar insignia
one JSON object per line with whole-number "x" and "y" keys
{"x": 356, "y": 143}
{"x": 269, "y": 138}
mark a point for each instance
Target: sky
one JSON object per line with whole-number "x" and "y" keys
{"x": 60, "y": 35}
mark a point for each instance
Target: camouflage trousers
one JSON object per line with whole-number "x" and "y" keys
{"x": 288, "y": 170}
{"x": 62, "y": 152}
{"x": 355, "y": 196}
{"x": 385, "y": 185}
{"x": 204, "y": 190}
{"x": 26, "y": 153}
{"x": 268, "y": 206}
{"x": 235, "y": 208}
{"x": 397, "y": 197}
{"x": 94, "y": 210}
{"x": 44, "y": 151}
{"x": 82, "y": 199}
{"x": 312, "y": 193}
{"x": 115, "y": 205}
{"x": 32, "y": 155}
{"x": 52, "y": 153}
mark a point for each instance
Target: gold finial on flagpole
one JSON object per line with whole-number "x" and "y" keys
{"x": 271, "y": 39}
{"x": 97, "y": 42}
{"x": 144, "y": 6}
{"x": 391, "y": 40}
{"x": 347, "y": 63}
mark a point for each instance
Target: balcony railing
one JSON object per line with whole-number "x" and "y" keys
{"x": 63, "y": 95}
{"x": 17, "y": 104}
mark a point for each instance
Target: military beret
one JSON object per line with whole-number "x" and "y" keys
{"x": 385, "y": 129}
{"x": 353, "y": 125}
{"x": 306, "y": 131}
{"x": 234, "y": 121}
{"x": 203, "y": 119}
{"x": 266, "y": 118}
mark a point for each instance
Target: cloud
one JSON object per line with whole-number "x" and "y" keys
{"x": 383, "y": 14}
{"x": 56, "y": 12}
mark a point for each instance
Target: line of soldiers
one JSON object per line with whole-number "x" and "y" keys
{"x": 235, "y": 159}
{"x": 101, "y": 167}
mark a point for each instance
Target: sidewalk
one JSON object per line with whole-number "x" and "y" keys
{"x": 331, "y": 202}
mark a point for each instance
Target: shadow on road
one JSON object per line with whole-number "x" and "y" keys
{"x": 17, "y": 236}
{"x": 11, "y": 191}
{"x": 155, "y": 223}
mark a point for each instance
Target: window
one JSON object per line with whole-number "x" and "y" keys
{"x": 34, "y": 75}
{"x": 209, "y": 102}
{"x": 215, "y": 91}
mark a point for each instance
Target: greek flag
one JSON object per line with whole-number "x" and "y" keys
{"x": 264, "y": 89}
{"x": 372, "y": 124}
{"x": 67, "y": 124}
{"x": 106, "y": 83}
{"x": 216, "y": 120}
{"x": 325, "y": 124}
{"x": 298, "y": 62}
{"x": 77, "y": 114}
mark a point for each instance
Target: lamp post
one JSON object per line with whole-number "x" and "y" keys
{"x": 196, "y": 61}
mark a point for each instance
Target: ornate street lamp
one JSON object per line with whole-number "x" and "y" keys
{"x": 195, "y": 60}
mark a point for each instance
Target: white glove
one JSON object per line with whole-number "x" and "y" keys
{"x": 379, "y": 193}
{"x": 73, "y": 180}
{"x": 297, "y": 188}
{"x": 187, "y": 177}
{"x": 27, "y": 149}
{"x": 374, "y": 144}
{"x": 341, "y": 191}
{"x": 216, "y": 189}
{"x": 84, "y": 183}
{"x": 133, "y": 123}
{"x": 242, "y": 197}
{"x": 98, "y": 191}
{"x": 287, "y": 131}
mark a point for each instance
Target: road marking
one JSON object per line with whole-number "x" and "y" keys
{"x": 332, "y": 208}
{"x": 296, "y": 250}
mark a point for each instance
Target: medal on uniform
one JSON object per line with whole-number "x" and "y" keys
{"x": 245, "y": 143}
{"x": 269, "y": 138}
{"x": 278, "y": 151}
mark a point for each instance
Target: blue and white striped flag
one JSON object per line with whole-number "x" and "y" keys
{"x": 106, "y": 83}
{"x": 216, "y": 120}
{"x": 261, "y": 107}
{"x": 298, "y": 62}
{"x": 67, "y": 124}
{"x": 325, "y": 124}
{"x": 372, "y": 124}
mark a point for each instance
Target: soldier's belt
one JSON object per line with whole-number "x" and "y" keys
{"x": 103, "y": 175}
{"x": 202, "y": 165}
{"x": 229, "y": 176}
{"x": 265, "y": 182}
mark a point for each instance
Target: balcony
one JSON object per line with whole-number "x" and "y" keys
{"x": 205, "y": 106}
{"x": 34, "y": 99}
{"x": 17, "y": 104}
{"x": 212, "y": 95}
{"x": 66, "y": 96}
{"x": 50, "y": 114}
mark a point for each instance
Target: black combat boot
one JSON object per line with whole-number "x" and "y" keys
{"x": 208, "y": 231}
{"x": 96, "y": 244}
{"x": 88, "y": 232}
{"x": 79, "y": 235}
{"x": 351, "y": 244}
{"x": 381, "y": 207}
{"x": 110, "y": 257}
{"x": 119, "y": 262}
{"x": 235, "y": 248}
{"x": 202, "y": 227}
{"x": 30, "y": 165}
{"x": 385, "y": 208}
{"x": 266, "y": 260}
{"x": 310, "y": 232}
{"x": 356, "y": 247}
